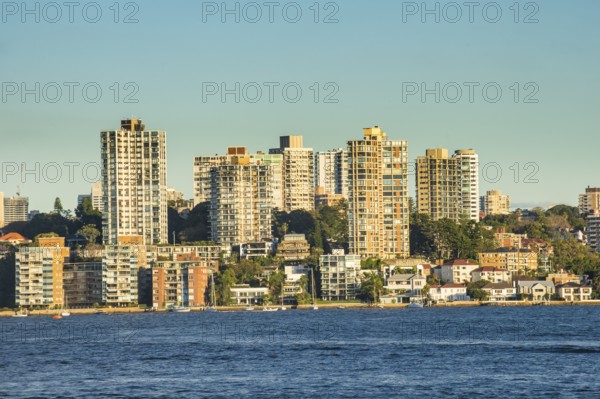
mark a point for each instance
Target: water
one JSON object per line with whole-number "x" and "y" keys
{"x": 489, "y": 352}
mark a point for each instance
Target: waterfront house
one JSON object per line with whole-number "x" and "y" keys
{"x": 535, "y": 290}
{"x": 408, "y": 284}
{"x": 573, "y": 292}
{"x": 500, "y": 292}
{"x": 448, "y": 292}
{"x": 243, "y": 294}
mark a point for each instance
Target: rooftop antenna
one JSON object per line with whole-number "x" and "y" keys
{"x": 19, "y": 190}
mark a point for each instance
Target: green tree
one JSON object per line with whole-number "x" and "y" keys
{"x": 223, "y": 284}
{"x": 58, "y": 208}
{"x": 90, "y": 233}
{"x": 371, "y": 287}
{"x": 475, "y": 291}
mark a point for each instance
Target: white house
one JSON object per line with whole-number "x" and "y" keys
{"x": 243, "y": 294}
{"x": 408, "y": 284}
{"x": 572, "y": 292}
{"x": 535, "y": 290}
{"x": 448, "y": 293}
{"x": 500, "y": 291}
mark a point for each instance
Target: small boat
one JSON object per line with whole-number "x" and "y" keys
{"x": 249, "y": 308}
{"x": 341, "y": 307}
{"x": 65, "y": 311}
{"x": 20, "y": 314}
{"x": 314, "y": 307}
{"x": 415, "y": 305}
{"x": 57, "y": 317}
{"x": 179, "y": 309}
{"x": 380, "y": 306}
{"x": 269, "y": 310}
{"x": 210, "y": 309}
{"x": 100, "y": 311}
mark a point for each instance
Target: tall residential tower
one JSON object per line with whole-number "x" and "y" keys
{"x": 378, "y": 197}
{"x": 134, "y": 183}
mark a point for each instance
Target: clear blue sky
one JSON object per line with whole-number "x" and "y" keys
{"x": 369, "y": 53}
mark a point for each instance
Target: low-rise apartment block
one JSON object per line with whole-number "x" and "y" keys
{"x": 457, "y": 271}
{"x": 339, "y": 276}
{"x": 491, "y": 274}
{"x": 293, "y": 247}
{"x": 517, "y": 261}
{"x": 39, "y": 273}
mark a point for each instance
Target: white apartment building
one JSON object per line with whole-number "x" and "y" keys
{"x": 134, "y": 173}
{"x": 339, "y": 276}
{"x": 298, "y": 173}
{"x": 331, "y": 171}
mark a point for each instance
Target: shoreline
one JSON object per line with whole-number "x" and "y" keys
{"x": 340, "y": 306}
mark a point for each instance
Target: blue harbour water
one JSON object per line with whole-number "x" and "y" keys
{"x": 482, "y": 352}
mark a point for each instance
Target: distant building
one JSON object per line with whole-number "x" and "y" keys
{"x": 491, "y": 274}
{"x": 590, "y": 201}
{"x": 14, "y": 239}
{"x": 331, "y": 174}
{"x": 39, "y": 273}
{"x": 134, "y": 178}
{"x": 517, "y": 261}
{"x": 378, "y": 205}
{"x": 563, "y": 277}
{"x": 82, "y": 284}
{"x": 323, "y": 198}
{"x": 448, "y": 187}
{"x": 121, "y": 264}
{"x": 509, "y": 240}
{"x": 179, "y": 282}
{"x": 339, "y": 276}
{"x": 257, "y": 249}
{"x": 293, "y": 247}
{"x": 243, "y": 294}
{"x": 494, "y": 203}
{"x": 592, "y": 230}
{"x": 16, "y": 209}
{"x": 457, "y": 271}
{"x": 241, "y": 202}
{"x": 298, "y": 173}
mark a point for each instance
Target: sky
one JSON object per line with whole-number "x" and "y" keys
{"x": 517, "y": 84}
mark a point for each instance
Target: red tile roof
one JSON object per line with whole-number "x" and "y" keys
{"x": 13, "y": 237}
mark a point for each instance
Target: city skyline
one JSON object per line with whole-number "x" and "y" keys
{"x": 170, "y": 88}
{"x": 82, "y": 171}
